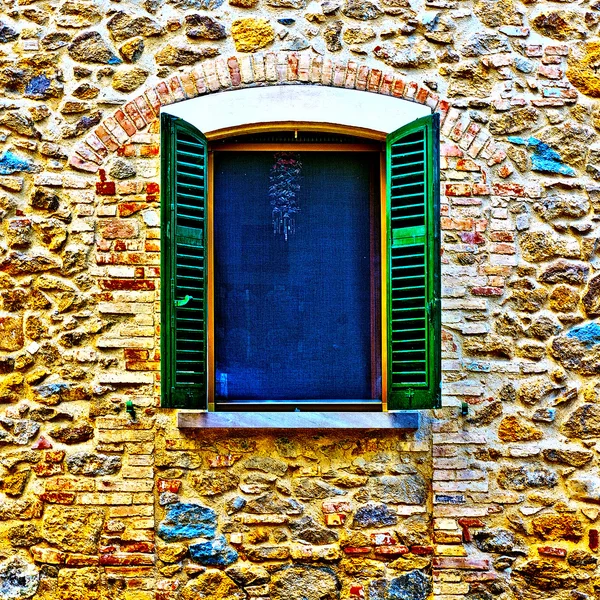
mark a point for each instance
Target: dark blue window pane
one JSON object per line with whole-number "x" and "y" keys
{"x": 296, "y": 319}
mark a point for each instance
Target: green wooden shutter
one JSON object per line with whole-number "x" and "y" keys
{"x": 413, "y": 283}
{"x": 183, "y": 269}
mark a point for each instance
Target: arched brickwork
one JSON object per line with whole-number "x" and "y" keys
{"x": 284, "y": 68}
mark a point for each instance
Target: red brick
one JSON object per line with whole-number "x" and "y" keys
{"x": 234, "y": 71}
{"x": 503, "y": 248}
{"x": 81, "y": 560}
{"x": 480, "y": 189}
{"x": 422, "y": 550}
{"x": 550, "y": 72}
{"x": 125, "y": 123}
{"x": 508, "y": 189}
{"x": 105, "y": 188}
{"x": 128, "y": 150}
{"x": 451, "y": 150}
{"x": 119, "y": 228}
{"x": 470, "y": 522}
{"x": 357, "y": 592}
{"x": 149, "y": 150}
{"x": 466, "y": 164}
{"x": 46, "y": 469}
{"x": 422, "y": 95}
{"x": 152, "y": 246}
{"x": 136, "y": 354}
{"x": 374, "y": 80}
{"x": 593, "y": 539}
{"x": 457, "y": 224}
{"x": 106, "y": 138}
{"x": 471, "y": 237}
{"x": 398, "y": 88}
{"x": 128, "y": 284}
{"x": 82, "y": 165}
{"x": 357, "y": 551}
{"x": 58, "y": 497}
{"x": 458, "y": 189}
{"x": 336, "y": 506}
{"x": 176, "y": 88}
{"x": 487, "y": 291}
{"x": 386, "y": 84}
{"x": 163, "y": 93}
{"x": 125, "y": 209}
{"x": 124, "y": 560}
{"x": 460, "y": 562}
{"x": 168, "y": 485}
{"x": 502, "y": 236}
{"x": 145, "y": 109}
{"x": 131, "y": 110}
{"x": 552, "y": 551}
{"x": 396, "y": 550}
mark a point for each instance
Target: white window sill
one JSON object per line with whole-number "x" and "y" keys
{"x": 408, "y": 420}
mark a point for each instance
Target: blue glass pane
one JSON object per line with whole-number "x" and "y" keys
{"x": 293, "y": 319}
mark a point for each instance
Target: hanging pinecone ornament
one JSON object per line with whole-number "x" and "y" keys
{"x": 284, "y": 185}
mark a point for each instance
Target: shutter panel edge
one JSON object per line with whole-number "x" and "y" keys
{"x": 173, "y": 393}
{"x": 405, "y": 394}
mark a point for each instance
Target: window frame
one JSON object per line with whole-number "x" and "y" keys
{"x": 358, "y": 405}
{"x": 432, "y": 205}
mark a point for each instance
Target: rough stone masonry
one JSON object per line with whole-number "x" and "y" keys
{"x": 502, "y": 503}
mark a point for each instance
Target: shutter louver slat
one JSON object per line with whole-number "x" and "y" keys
{"x": 413, "y": 273}
{"x": 183, "y": 328}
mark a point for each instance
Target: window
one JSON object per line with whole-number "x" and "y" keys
{"x": 279, "y": 262}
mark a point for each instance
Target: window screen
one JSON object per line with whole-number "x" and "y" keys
{"x": 296, "y": 318}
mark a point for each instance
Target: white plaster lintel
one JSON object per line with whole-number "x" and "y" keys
{"x": 373, "y": 113}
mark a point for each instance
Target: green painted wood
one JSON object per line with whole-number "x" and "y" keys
{"x": 183, "y": 269}
{"x": 413, "y": 255}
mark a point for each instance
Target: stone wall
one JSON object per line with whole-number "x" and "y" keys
{"x": 500, "y": 502}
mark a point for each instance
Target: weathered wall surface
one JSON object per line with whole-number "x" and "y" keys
{"x": 500, "y": 503}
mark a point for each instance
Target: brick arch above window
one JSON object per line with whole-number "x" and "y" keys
{"x": 284, "y": 68}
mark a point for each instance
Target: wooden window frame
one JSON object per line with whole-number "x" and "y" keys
{"x": 374, "y": 142}
{"x": 359, "y": 405}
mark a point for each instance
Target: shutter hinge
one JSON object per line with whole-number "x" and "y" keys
{"x": 173, "y": 296}
{"x": 431, "y": 308}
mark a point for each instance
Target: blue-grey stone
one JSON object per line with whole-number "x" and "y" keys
{"x": 415, "y": 585}
{"x": 50, "y": 389}
{"x": 485, "y": 42}
{"x": 19, "y": 579}
{"x": 588, "y": 335}
{"x": 7, "y": 34}
{"x": 477, "y": 366}
{"x": 402, "y": 489}
{"x": 235, "y": 505}
{"x": 215, "y": 553}
{"x": 296, "y": 43}
{"x": 11, "y": 163}
{"x": 374, "y": 515}
{"x": 188, "y": 520}
{"x": 524, "y": 65}
{"x": 450, "y": 499}
{"x": 544, "y": 158}
{"x": 377, "y": 589}
{"x": 286, "y": 21}
{"x": 37, "y": 86}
